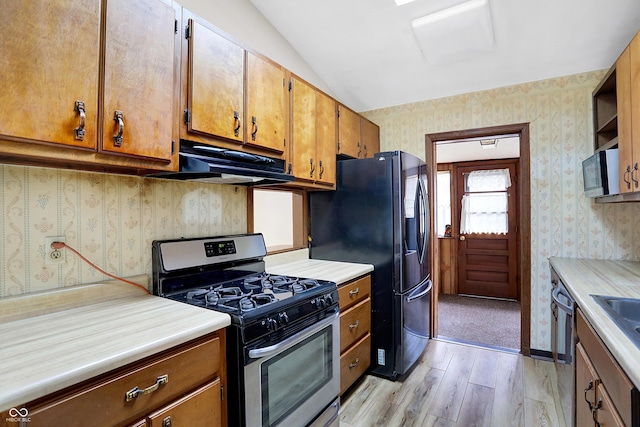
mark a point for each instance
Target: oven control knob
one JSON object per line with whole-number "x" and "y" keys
{"x": 320, "y": 303}
{"x": 283, "y": 319}
{"x": 328, "y": 299}
{"x": 271, "y": 324}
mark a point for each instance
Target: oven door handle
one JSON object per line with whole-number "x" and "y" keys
{"x": 560, "y": 304}
{"x": 259, "y": 353}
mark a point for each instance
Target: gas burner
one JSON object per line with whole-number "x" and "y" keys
{"x": 198, "y": 295}
{"x": 297, "y": 286}
{"x": 254, "y": 301}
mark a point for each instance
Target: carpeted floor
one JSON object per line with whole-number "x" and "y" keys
{"x": 479, "y": 320}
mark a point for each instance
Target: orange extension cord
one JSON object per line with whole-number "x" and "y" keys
{"x": 59, "y": 245}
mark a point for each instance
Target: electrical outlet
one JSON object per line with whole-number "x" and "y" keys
{"x": 51, "y": 255}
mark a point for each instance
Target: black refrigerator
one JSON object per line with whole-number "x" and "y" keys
{"x": 379, "y": 214}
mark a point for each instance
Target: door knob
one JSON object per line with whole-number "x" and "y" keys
{"x": 462, "y": 238}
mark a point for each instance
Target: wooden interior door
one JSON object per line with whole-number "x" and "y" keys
{"x": 487, "y": 262}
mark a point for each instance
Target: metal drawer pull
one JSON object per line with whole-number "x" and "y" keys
{"x": 135, "y": 392}
{"x": 356, "y": 291}
{"x": 354, "y": 364}
{"x": 79, "y": 131}
{"x": 166, "y": 422}
{"x": 119, "y": 118}
{"x": 254, "y": 122}
{"x": 354, "y": 325}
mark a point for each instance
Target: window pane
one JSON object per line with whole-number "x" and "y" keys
{"x": 273, "y": 217}
{"x": 443, "y": 217}
{"x": 484, "y": 213}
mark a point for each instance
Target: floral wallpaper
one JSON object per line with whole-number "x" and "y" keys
{"x": 564, "y": 222}
{"x": 109, "y": 219}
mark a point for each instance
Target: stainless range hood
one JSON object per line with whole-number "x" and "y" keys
{"x": 205, "y": 163}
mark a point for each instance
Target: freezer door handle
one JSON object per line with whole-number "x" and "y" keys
{"x": 422, "y": 293}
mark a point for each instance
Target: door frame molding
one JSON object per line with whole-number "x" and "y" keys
{"x": 524, "y": 218}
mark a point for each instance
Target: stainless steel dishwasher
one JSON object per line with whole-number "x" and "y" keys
{"x": 563, "y": 345}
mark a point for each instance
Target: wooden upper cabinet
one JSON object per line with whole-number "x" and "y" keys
{"x": 303, "y": 130}
{"x": 47, "y": 65}
{"x": 349, "y": 132}
{"x": 266, "y": 104}
{"x": 370, "y": 135}
{"x": 139, "y": 107}
{"x": 628, "y": 112}
{"x": 215, "y": 84}
{"x": 326, "y": 133}
{"x": 313, "y": 148}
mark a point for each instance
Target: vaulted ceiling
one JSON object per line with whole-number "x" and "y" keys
{"x": 368, "y": 54}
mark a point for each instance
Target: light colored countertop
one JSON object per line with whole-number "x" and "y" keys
{"x": 583, "y": 278}
{"x": 55, "y": 339}
{"x": 339, "y": 272}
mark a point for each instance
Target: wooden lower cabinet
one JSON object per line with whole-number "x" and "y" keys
{"x": 181, "y": 385}
{"x": 355, "y": 326}
{"x": 604, "y": 394}
{"x": 198, "y": 409}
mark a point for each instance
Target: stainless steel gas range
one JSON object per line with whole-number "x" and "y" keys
{"x": 283, "y": 360}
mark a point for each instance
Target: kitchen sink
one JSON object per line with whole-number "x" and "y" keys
{"x": 625, "y": 312}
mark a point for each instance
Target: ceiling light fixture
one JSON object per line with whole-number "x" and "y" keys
{"x": 488, "y": 143}
{"x": 455, "y": 32}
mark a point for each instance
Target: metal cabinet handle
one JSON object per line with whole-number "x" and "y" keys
{"x": 313, "y": 168}
{"x": 628, "y": 171}
{"x": 589, "y": 387}
{"x": 356, "y": 291}
{"x": 354, "y": 364}
{"x": 135, "y": 392}
{"x": 321, "y": 170}
{"x": 236, "y": 130}
{"x": 254, "y": 123}
{"x": 167, "y": 422}
{"x": 354, "y": 325}
{"x": 359, "y": 149}
{"x": 595, "y": 409}
{"x": 635, "y": 180}
{"x": 119, "y": 118}
{"x": 365, "y": 150}
{"x": 79, "y": 131}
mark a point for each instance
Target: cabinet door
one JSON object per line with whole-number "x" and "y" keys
{"x": 50, "y": 53}
{"x": 138, "y": 113}
{"x": 586, "y": 388}
{"x": 303, "y": 131}
{"x": 202, "y": 408}
{"x": 266, "y": 104}
{"x": 370, "y": 138}
{"x": 326, "y": 133}
{"x": 606, "y": 414}
{"x": 634, "y": 57}
{"x": 348, "y": 133}
{"x": 625, "y": 141}
{"x": 215, "y": 96}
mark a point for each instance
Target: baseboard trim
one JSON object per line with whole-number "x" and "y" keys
{"x": 541, "y": 354}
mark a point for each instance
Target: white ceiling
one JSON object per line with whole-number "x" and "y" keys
{"x": 367, "y": 54}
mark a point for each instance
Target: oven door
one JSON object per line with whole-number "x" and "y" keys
{"x": 291, "y": 382}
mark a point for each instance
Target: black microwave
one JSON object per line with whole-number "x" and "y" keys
{"x": 601, "y": 173}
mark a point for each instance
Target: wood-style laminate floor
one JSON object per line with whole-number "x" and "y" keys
{"x": 458, "y": 385}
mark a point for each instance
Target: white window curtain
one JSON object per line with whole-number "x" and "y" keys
{"x": 485, "y": 204}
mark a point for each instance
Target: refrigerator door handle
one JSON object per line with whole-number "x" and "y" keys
{"x": 421, "y": 294}
{"x": 423, "y": 221}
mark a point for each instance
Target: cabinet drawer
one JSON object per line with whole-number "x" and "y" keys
{"x": 354, "y": 324}
{"x": 614, "y": 379}
{"x": 103, "y": 402}
{"x": 354, "y": 292}
{"x": 354, "y": 363}
{"x": 202, "y": 408}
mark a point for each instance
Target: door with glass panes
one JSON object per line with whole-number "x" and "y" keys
{"x": 486, "y": 220}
